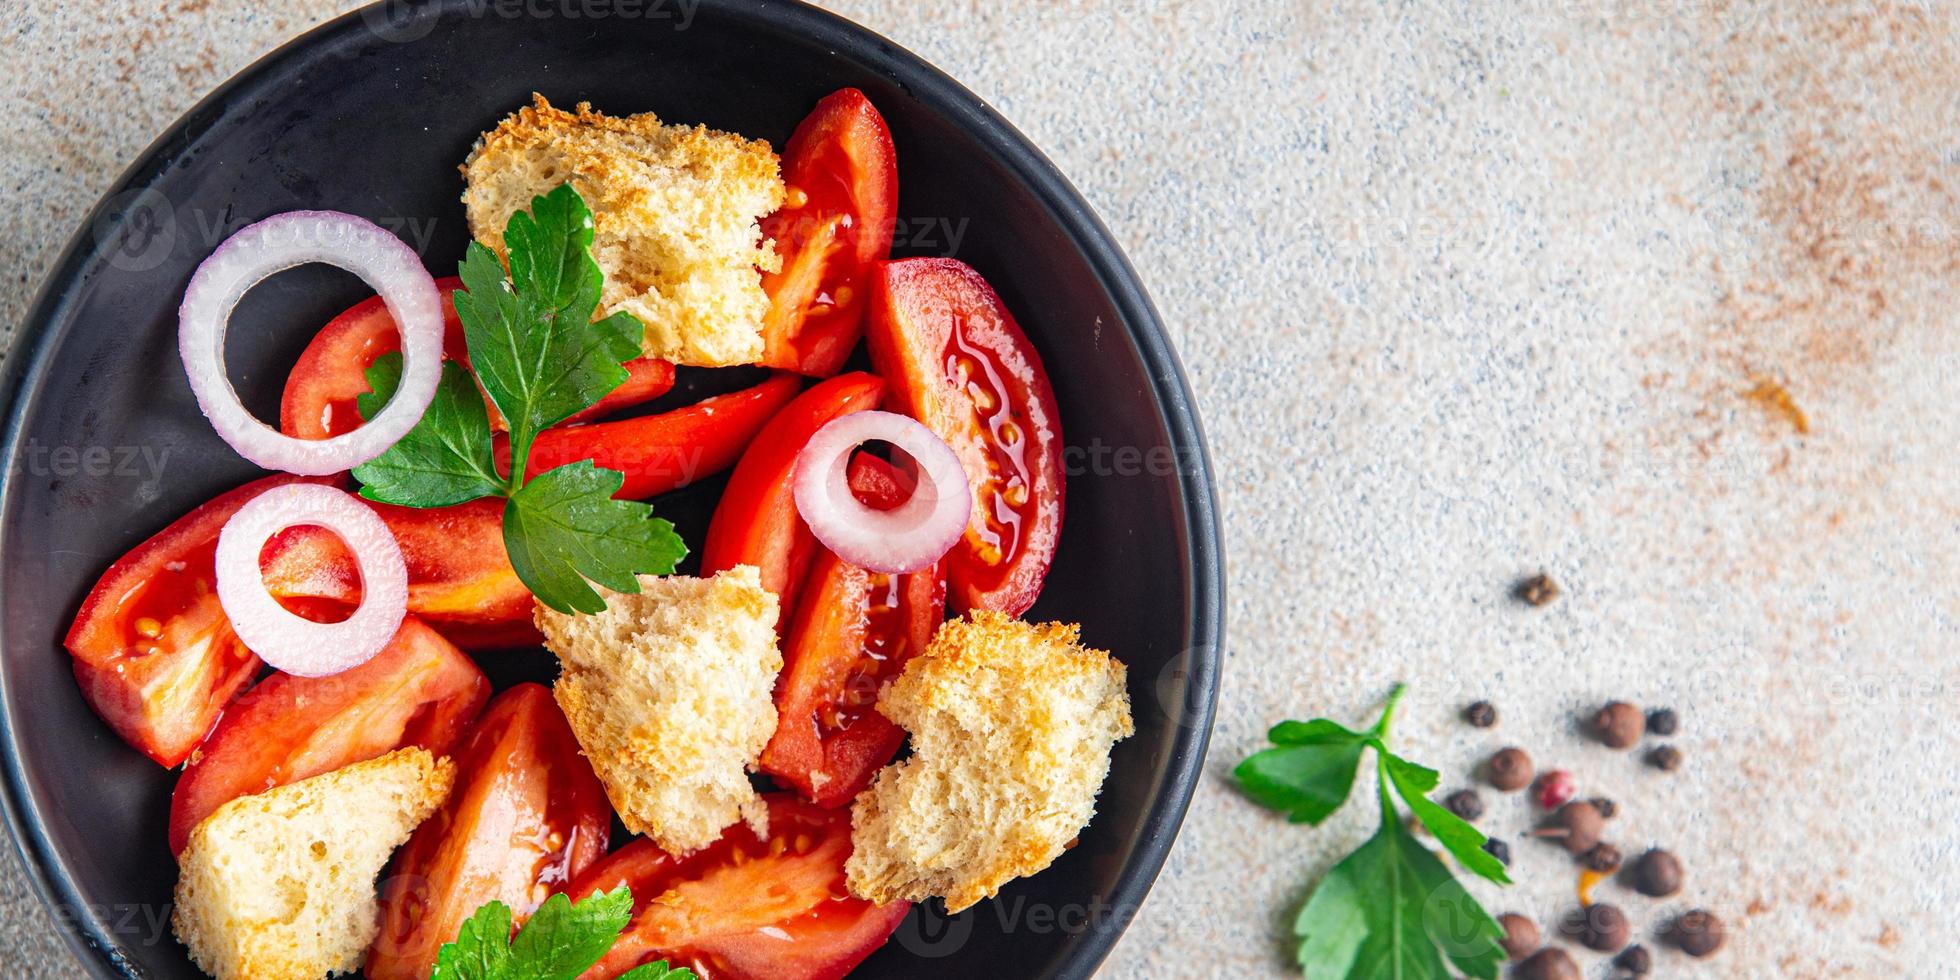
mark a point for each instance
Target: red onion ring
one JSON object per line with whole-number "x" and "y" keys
{"x": 290, "y": 642}
{"x": 906, "y": 538}
{"x": 282, "y": 242}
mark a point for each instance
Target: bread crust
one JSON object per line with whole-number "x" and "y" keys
{"x": 670, "y": 695}
{"x": 280, "y": 885}
{"x": 1012, "y": 725}
{"x": 675, "y": 214}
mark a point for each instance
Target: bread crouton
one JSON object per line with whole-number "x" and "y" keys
{"x": 669, "y": 693}
{"x": 1011, "y": 725}
{"x": 280, "y": 885}
{"x": 675, "y": 212}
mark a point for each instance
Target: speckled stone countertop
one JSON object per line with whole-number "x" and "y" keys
{"x": 1654, "y": 295}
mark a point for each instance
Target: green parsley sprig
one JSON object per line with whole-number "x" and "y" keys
{"x": 1390, "y": 908}
{"x": 541, "y": 359}
{"x": 560, "y": 941}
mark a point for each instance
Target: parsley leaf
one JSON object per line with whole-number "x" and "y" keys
{"x": 1466, "y": 843}
{"x": 446, "y": 458}
{"x": 531, "y": 338}
{"x": 1310, "y": 772}
{"x": 563, "y": 528}
{"x": 561, "y": 940}
{"x": 1390, "y": 908}
{"x": 657, "y": 971}
{"x": 540, "y": 358}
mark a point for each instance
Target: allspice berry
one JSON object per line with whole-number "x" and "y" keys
{"x": 1667, "y": 758}
{"x": 1607, "y": 808}
{"x": 1520, "y": 935}
{"x": 1549, "y": 963}
{"x": 1509, "y": 770}
{"x": 1465, "y": 803}
{"x": 1599, "y": 926}
{"x": 1482, "y": 714}
{"x": 1655, "y": 874}
{"x": 1576, "y": 825}
{"x": 1619, "y": 725}
{"x": 1603, "y": 858}
{"x": 1699, "y": 933}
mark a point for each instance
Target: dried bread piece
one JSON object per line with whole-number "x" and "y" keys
{"x": 279, "y": 885}
{"x": 670, "y": 694}
{"x": 675, "y": 215}
{"x": 1012, "y": 725}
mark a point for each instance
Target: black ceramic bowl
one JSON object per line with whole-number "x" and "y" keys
{"x": 371, "y": 114}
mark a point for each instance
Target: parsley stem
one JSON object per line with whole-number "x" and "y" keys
{"x": 1380, "y": 730}
{"x": 520, "y": 459}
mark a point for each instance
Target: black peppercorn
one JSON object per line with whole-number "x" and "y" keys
{"x": 1619, "y": 725}
{"x": 1636, "y": 961}
{"x": 1509, "y": 770}
{"x": 1699, "y": 933}
{"x": 1603, "y": 858}
{"x": 1465, "y": 803}
{"x": 1667, "y": 758}
{"x": 1481, "y": 714}
{"x": 1536, "y": 590}
{"x": 1655, "y": 874}
{"x": 1663, "y": 722}
{"x": 1499, "y": 850}
{"x": 1607, "y": 808}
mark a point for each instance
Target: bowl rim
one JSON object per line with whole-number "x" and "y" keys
{"x": 87, "y": 936}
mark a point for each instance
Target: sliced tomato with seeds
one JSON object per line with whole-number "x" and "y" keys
{"x": 153, "y": 652}
{"x": 664, "y": 452}
{"x": 419, "y": 690}
{"x": 319, "y": 400}
{"x": 527, "y": 816}
{"x": 746, "y": 908}
{"x": 855, "y": 630}
{"x": 841, "y": 206}
{"x": 958, "y": 363}
{"x": 460, "y": 579}
{"x": 756, "y": 522}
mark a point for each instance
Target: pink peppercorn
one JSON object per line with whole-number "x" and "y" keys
{"x": 1556, "y": 788}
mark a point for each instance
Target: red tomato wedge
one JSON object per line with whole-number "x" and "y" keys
{"x": 958, "y": 363}
{"x": 460, "y": 579}
{"x": 838, "y": 219}
{"x": 668, "y": 451}
{"x": 745, "y": 908}
{"x": 527, "y": 816}
{"x": 154, "y": 653}
{"x": 855, "y": 630}
{"x": 332, "y": 372}
{"x": 756, "y": 521}
{"x": 419, "y": 690}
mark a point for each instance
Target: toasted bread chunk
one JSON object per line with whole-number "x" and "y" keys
{"x": 675, "y": 212}
{"x": 280, "y": 885}
{"x": 1011, "y": 725}
{"x": 669, "y": 693}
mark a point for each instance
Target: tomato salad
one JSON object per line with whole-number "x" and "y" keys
{"x": 162, "y": 654}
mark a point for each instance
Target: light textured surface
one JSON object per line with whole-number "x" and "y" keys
{"x": 1464, "y": 291}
